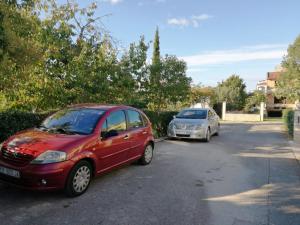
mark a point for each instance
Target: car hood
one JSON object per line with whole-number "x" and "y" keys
{"x": 189, "y": 121}
{"x": 35, "y": 142}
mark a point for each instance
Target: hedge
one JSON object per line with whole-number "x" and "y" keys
{"x": 288, "y": 118}
{"x": 14, "y": 121}
{"x": 160, "y": 121}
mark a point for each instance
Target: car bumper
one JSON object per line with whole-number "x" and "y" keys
{"x": 38, "y": 177}
{"x": 188, "y": 134}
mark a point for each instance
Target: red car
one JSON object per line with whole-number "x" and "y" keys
{"x": 74, "y": 145}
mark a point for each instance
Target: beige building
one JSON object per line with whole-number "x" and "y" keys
{"x": 274, "y": 105}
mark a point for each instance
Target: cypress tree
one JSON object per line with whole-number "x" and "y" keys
{"x": 156, "y": 49}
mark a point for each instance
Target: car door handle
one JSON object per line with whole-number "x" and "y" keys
{"x": 145, "y": 132}
{"x": 126, "y": 137}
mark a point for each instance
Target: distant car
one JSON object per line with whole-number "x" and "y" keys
{"x": 194, "y": 123}
{"x": 75, "y": 144}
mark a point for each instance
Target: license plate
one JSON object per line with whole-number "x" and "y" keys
{"x": 9, "y": 172}
{"x": 182, "y": 132}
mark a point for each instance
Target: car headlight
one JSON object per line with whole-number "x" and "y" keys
{"x": 50, "y": 156}
{"x": 199, "y": 126}
{"x": 172, "y": 125}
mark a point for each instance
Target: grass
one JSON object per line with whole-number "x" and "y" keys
{"x": 273, "y": 119}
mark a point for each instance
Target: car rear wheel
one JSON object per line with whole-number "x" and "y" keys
{"x": 79, "y": 179}
{"x": 147, "y": 156}
{"x": 208, "y": 135}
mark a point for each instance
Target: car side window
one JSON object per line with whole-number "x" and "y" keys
{"x": 135, "y": 119}
{"x": 116, "y": 121}
{"x": 210, "y": 114}
{"x": 145, "y": 120}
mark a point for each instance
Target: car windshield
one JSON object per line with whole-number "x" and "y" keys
{"x": 73, "y": 121}
{"x": 192, "y": 114}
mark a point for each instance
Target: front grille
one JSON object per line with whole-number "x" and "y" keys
{"x": 182, "y": 126}
{"x": 16, "y": 158}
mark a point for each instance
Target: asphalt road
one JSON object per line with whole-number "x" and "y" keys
{"x": 248, "y": 175}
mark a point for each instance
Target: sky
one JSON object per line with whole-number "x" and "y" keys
{"x": 216, "y": 38}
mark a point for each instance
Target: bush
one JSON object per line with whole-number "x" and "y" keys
{"x": 160, "y": 121}
{"x": 288, "y": 118}
{"x": 14, "y": 121}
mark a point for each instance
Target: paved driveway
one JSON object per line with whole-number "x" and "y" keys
{"x": 246, "y": 176}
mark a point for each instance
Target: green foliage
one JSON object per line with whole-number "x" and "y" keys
{"x": 170, "y": 85}
{"x": 156, "y": 49}
{"x": 254, "y": 100}
{"x": 288, "y": 85}
{"x": 233, "y": 91}
{"x": 65, "y": 57}
{"x": 202, "y": 94}
{"x": 14, "y": 121}
{"x": 160, "y": 121}
{"x": 288, "y": 118}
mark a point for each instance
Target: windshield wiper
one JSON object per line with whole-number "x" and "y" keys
{"x": 66, "y": 131}
{"x": 42, "y": 127}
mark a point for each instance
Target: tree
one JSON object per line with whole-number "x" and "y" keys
{"x": 134, "y": 67}
{"x": 288, "y": 85}
{"x": 202, "y": 94}
{"x": 173, "y": 85}
{"x": 156, "y": 49}
{"x": 254, "y": 100}
{"x": 233, "y": 91}
{"x": 53, "y": 55}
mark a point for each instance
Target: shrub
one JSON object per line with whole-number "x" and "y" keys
{"x": 14, "y": 121}
{"x": 288, "y": 118}
{"x": 160, "y": 121}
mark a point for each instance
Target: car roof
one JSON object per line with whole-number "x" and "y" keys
{"x": 100, "y": 106}
{"x": 197, "y": 109}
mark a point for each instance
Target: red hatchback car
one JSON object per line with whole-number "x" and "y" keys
{"x": 74, "y": 145}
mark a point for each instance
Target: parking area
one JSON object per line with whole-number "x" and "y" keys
{"x": 247, "y": 175}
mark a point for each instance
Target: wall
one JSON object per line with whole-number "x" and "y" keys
{"x": 239, "y": 117}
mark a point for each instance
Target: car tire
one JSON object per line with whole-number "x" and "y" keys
{"x": 208, "y": 135}
{"x": 79, "y": 179}
{"x": 147, "y": 155}
{"x": 218, "y": 131}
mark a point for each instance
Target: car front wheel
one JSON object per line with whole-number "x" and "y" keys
{"x": 79, "y": 179}
{"x": 208, "y": 135}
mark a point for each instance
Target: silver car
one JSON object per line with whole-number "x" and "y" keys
{"x": 195, "y": 123}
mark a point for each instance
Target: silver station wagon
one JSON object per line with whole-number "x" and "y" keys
{"x": 194, "y": 123}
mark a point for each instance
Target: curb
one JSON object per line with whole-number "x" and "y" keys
{"x": 160, "y": 139}
{"x": 296, "y": 150}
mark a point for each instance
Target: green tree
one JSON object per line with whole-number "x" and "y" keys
{"x": 202, "y": 94}
{"x": 156, "y": 49}
{"x": 288, "y": 85}
{"x": 173, "y": 86}
{"x": 133, "y": 66}
{"x": 254, "y": 100}
{"x": 233, "y": 91}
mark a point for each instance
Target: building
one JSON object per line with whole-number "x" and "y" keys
{"x": 274, "y": 105}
